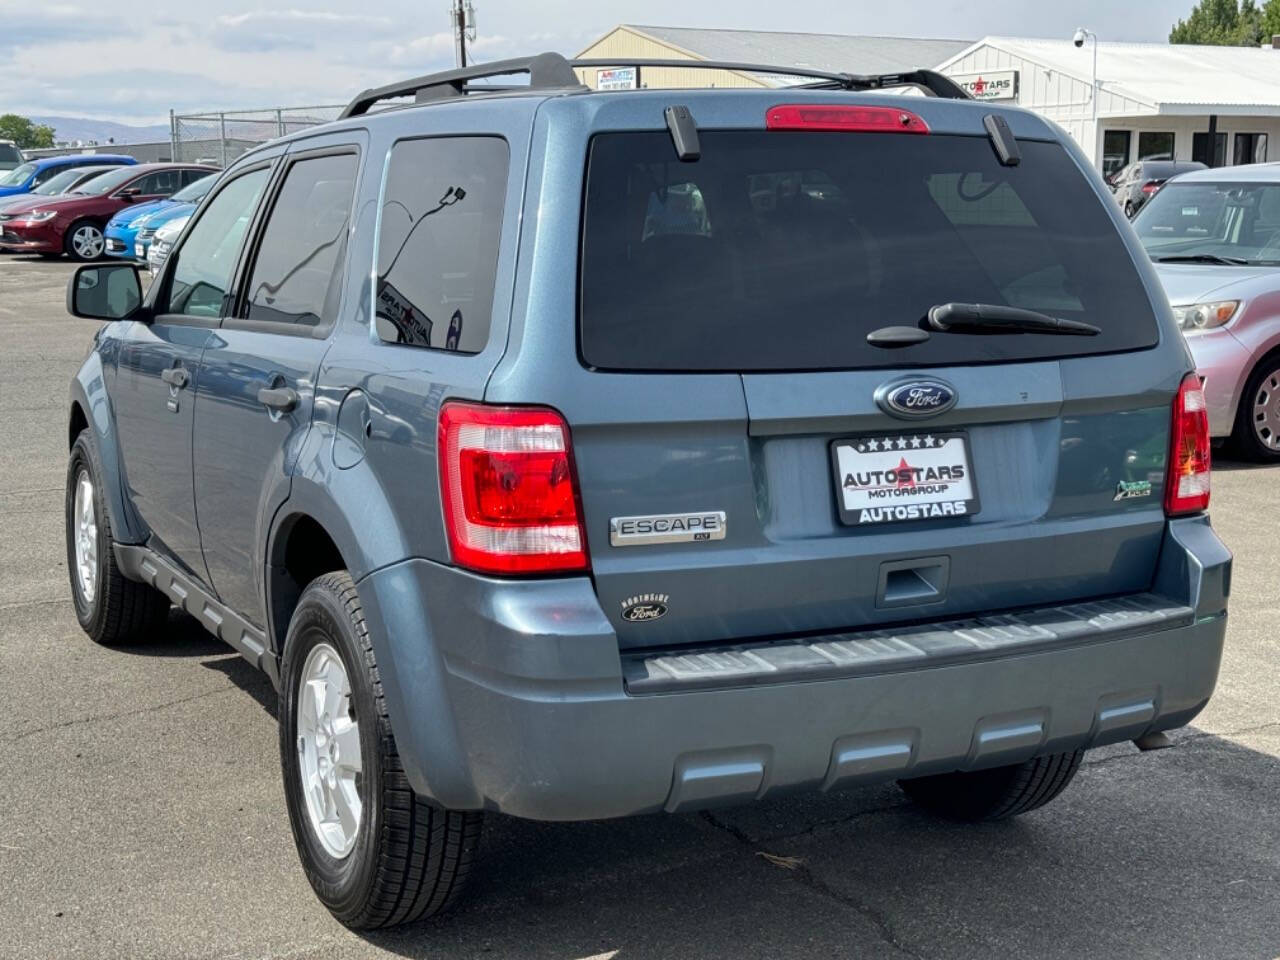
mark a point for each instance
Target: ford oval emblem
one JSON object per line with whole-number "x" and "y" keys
{"x": 916, "y": 399}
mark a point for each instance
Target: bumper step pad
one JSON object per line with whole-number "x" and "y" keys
{"x": 884, "y": 650}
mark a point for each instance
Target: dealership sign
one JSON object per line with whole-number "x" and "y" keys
{"x": 996, "y": 85}
{"x": 616, "y": 78}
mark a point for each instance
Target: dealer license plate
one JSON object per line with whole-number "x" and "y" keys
{"x": 138, "y": 251}
{"x": 890, "y": 478}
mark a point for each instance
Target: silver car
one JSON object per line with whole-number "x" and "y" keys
{"x": 1214, "y": 236}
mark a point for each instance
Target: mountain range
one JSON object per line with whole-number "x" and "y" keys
{"x": 103, "y": 131}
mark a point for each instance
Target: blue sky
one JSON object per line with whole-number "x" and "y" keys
{"x": 133, "y": 61}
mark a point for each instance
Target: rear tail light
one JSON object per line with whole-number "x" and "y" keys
{"x": 509, "y": 491}
{"x": 1151, "y": 186}
{"x": 799, "y": 116}
{"x": 1186, "y": 482}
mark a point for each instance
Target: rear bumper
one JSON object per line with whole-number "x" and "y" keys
{"x": 511, "y": 696}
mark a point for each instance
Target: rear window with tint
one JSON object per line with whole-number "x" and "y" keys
{"x": 783, "y": 250}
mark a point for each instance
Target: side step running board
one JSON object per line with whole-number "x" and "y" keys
{"x": 906, "y": 648}
{"x": 144, "y": 564}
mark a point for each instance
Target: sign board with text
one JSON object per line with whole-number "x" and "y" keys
{"x": 994, "y": 85}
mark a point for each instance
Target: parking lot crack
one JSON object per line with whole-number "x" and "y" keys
{"x": 799, "y": 870}
{"x": 152, "y": 708}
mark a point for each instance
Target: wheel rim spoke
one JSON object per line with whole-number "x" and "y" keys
{"x": 329, "y": 757}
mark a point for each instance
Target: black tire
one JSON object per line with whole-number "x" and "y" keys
{"x": 120, "y": 610}
{"x": 1128, "y": 210}
{"x": 995, "y": 794}
{"x": 410, "y": 857}
{"x": 69, "y": 247}
{"x": 1244, "y": 438}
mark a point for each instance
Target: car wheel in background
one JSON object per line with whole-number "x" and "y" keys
{"x": 1257, "y": 431}
{"x": 84, "y": 241}
{"x": 111, "y": 608}
{"x": 995, "y": 794}
{"x": 375, "y": 852}
{"x": 1128, "y": 210}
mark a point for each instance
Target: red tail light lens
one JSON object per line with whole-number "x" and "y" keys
{"x": 1186, "y": 483}
{"x": 1150, "y": 187}
{"x": 508, "y": 488}
{"x": 800, "y": 116}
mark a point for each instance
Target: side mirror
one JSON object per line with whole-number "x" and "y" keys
{"x": 128, "y": 194}
{"x": 108, "y": 291}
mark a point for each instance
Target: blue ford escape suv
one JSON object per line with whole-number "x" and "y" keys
{"x": 576, "y": 455}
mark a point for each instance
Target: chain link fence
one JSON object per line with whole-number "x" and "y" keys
{"x": 220, "y": 138}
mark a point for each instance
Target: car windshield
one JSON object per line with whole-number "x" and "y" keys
{"x": 17, "y": 175}
{"x": 1236, "y": 222}
{"x": 59, "y": 182}
{"x": 195, "y": 192}
{"x": 107, "y": 182}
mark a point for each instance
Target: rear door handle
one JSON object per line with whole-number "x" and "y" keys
{"x": 175, "y": 377}
{"x": 282, "y": 399}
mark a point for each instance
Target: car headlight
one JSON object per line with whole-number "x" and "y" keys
{"x": 1203, "y": 316}
{"x": 38, "y": 216}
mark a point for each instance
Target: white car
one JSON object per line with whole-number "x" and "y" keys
{"x": 162, "y": 243}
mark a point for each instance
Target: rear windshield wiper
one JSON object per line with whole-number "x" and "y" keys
{"x": 1204, "y": 258}
{"x": 990, "y": 317}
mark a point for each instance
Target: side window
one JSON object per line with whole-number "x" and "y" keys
{"x": 437, "y": 254}
{"x": 187, "y": 177}
{"x": 297, "y": 276}
{"x": 158, "y": 184}
{"x": 45, "y": 174}
{"x": 205, "y": 261}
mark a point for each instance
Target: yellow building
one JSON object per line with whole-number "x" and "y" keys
{"x": 820, "y": 51}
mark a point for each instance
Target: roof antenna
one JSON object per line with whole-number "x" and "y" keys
{"x": 684, "y": 133}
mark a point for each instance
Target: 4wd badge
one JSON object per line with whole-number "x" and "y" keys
{"x": 645, "y": 607}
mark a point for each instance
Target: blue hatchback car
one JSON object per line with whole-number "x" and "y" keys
{"x": 129, "y": 232}
{"x": 27, "y": 176}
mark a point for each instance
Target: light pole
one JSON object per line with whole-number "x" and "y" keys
{"x": 1080, "y": 36}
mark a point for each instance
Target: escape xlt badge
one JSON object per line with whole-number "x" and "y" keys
{"x": 646, "y": 606}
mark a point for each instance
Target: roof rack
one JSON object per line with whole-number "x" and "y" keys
{"x": 547, "y": 71}
{"x": 551, "y": 71}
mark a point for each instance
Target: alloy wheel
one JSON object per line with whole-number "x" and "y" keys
{"x": 85, "y": 536}
{"x": 87, "y": 242}
{"x": 329, "y": 755}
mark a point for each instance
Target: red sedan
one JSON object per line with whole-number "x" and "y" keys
{"x": 73, "y": 223}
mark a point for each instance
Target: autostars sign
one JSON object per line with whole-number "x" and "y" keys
{"x": 994, "y": 85}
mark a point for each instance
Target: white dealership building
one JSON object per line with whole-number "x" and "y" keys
{"x": 1219, "y": 105}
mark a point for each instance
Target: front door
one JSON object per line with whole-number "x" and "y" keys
{"x": 160, "y": 365}
{"x": 258, "y": 376}
{"x": 155, "y": 389}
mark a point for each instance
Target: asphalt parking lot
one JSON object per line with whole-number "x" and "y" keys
{"x": 143, "y": 814}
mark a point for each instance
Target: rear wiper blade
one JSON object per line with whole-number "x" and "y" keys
{"x": 963, "y": 317}
{"x": 1204, "y": 258}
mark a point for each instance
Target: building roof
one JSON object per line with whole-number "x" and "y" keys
{"x": 821, "y": 51}
{"x": 1174, "y": 78}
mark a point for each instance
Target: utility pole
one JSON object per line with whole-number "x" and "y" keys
{"x": 463, "y": 17}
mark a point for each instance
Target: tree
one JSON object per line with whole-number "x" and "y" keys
{"x": 27, "y": 135}
{"x": 1269, "y": 17}
{"x": 1227, "y": 23}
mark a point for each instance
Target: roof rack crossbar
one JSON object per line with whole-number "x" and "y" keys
{"x": 551, "y": 71}
{"x": 930, "y": 81}
{"x": 547, "y": 71}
